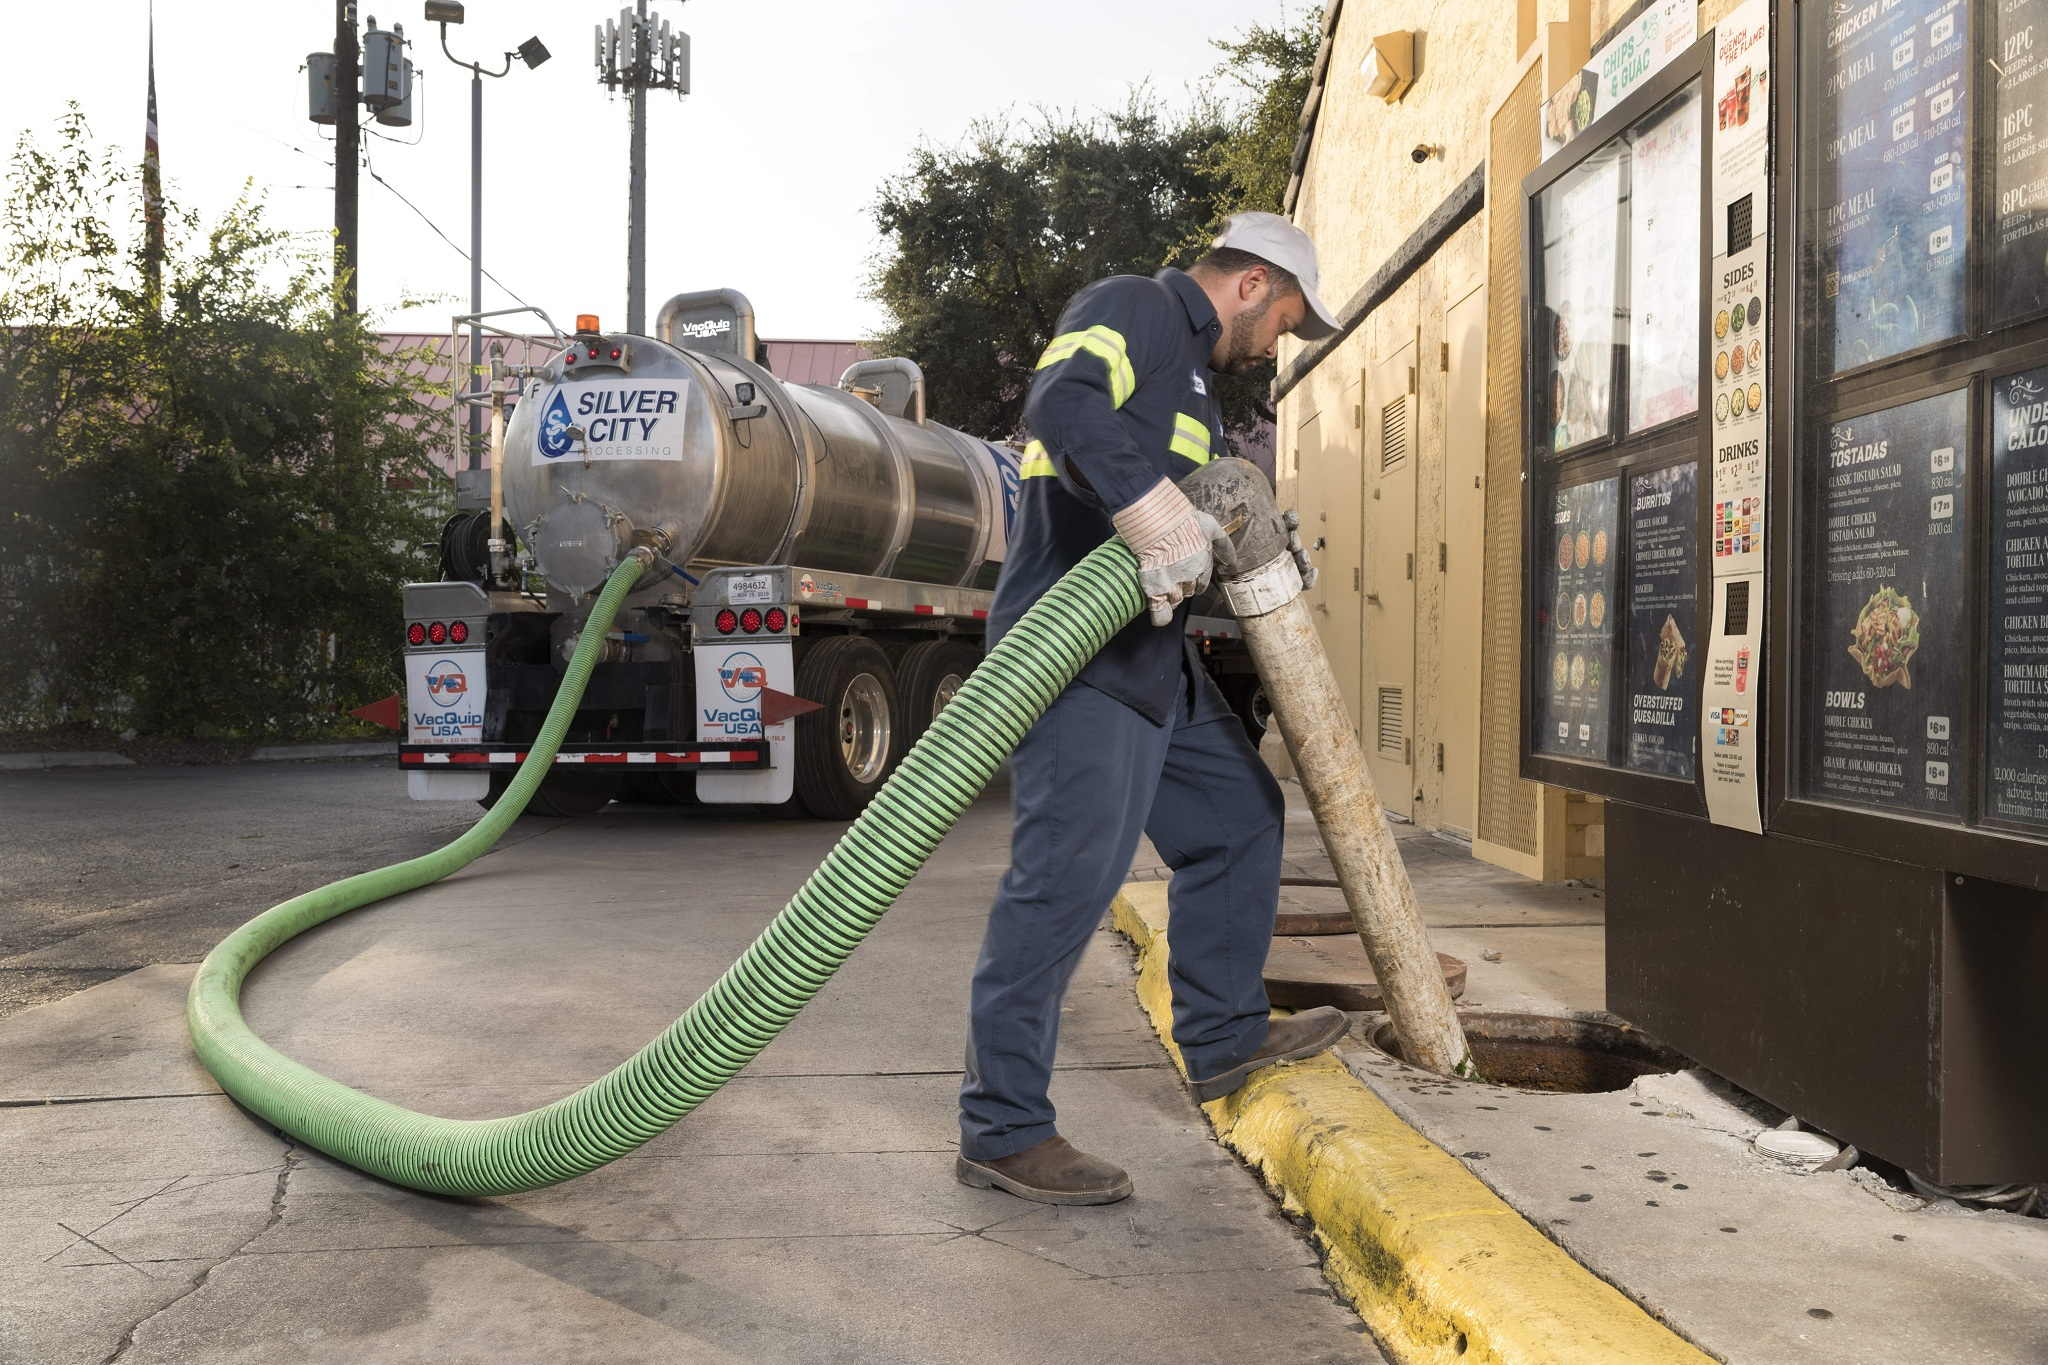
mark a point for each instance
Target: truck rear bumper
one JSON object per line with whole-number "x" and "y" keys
{"x": 726, "y": 756}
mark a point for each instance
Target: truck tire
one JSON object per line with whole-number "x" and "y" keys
{"x": 1246, "y": 695}
{"x": 926, "y": 679}
{"x": 845, "y": 751}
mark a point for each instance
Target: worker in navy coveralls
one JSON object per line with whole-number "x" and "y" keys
{"x": 1121, "y": 408}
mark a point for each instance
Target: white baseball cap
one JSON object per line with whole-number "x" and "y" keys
{"x": 1272, "y": 238}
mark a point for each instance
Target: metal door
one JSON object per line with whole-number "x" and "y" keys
{"x": 1330, "y": 498}
{"x": 1389, "y": 607}
{"x": 1464, "y": 470}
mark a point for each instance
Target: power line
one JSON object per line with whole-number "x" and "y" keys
{"x": 437, "y": 231}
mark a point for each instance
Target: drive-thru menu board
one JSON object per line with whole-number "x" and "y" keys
{"x": 1883, "y": 701}
{"x": 2017, "y": 641}
{"x": 1892, "y": 110}
{"x": 1575, "y": 666}
{"x": 2019, "y": 233}
{"x": 1663, "y": 620}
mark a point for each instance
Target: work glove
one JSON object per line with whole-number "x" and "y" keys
{"x": 1292, "y": 519}
{"x": 1173, "y": 544}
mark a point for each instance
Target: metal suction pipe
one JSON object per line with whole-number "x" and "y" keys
{"x": 1264, "y": 586}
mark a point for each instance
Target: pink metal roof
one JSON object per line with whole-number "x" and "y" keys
{"x": 812, "y": 362}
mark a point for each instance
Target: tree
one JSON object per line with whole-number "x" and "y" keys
{"x": 210, "y": 504}
{"x": 988, "y": 240}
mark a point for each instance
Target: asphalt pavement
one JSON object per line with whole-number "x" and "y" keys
{"x": 807, "y": 1212}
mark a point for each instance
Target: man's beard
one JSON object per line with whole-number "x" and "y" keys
{"x": 1242, "y": 353}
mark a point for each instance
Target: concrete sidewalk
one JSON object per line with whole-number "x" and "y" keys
{"x": 1656, "y": 1188}
{"x": 808, "y": 1212}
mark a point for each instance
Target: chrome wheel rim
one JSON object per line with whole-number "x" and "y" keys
{"x": 942, "y": 697}
{"x": 864, "y": 729}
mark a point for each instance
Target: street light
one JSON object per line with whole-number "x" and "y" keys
{"x": 533, "y": 53}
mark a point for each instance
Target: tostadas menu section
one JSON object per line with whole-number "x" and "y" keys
{"x": 1884, "y": 694}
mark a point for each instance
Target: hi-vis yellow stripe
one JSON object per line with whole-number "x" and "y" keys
{"x": 1105, "y": 345}
{"x": 1190, "y": 438}
{"x": 1037, "y": 464}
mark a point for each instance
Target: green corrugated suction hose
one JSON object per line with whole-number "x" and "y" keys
{"x": 744, "y": 1009}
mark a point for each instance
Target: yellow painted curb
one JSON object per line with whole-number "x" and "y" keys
{"x": 1438, "y": 1265}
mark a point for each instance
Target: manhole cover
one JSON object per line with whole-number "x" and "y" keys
{"x": 1312, "y": 905}
{"x": 1302, "y": 972}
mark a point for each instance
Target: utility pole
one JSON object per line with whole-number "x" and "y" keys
{"x": 533, "y": 52}
{"x": 347, "y": 149}
{"x": 375, "y": 74}
{"x": 637, "y": 54}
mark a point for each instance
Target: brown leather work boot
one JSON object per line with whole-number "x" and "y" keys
{"x": 1050, "y": 1172}
{"x": 1287, "y": 1040}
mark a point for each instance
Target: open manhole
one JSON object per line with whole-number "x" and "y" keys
{"x": 1548, "y": 1052}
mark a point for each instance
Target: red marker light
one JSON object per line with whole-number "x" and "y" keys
{"x": 777, "y": 618}
{"x": 437, "y": 633}
{"x": 569, "y": 359}
{"x": 750, "y": 620}
{"x": 458, "y": 631}
{"x": 727, "y": 622}
{"x": 593, "y": 353}
{"x": 415, "y": 634}
{"x": 615, "y": 353}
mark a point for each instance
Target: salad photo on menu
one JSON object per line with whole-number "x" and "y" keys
{"x": 1887, "y": 634}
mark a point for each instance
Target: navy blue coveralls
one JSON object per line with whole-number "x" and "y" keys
{"x": 1142, "y": 741}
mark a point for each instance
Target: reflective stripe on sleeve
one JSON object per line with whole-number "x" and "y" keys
{"x": 1037, "y": 464}
{"x": 1105, "y": 345}
{"x": 1190, "y": 438}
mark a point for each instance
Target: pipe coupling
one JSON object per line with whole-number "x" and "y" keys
{"x": 1267, "y": 588}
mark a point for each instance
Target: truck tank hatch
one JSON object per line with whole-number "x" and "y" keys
{"x": 578, "y": 545}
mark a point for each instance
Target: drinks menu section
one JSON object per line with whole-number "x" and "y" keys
{"x": 1891, "y": 87}
{"x": 2019, "y": 234}
{"x": 1883, "y": 707}
{"x": 1663, "y": 620}
{"x": 2017, "y": 666}
{"x": 1576, "y": 623}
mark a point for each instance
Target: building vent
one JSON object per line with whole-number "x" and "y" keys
{"x": 1394, "y": 434}
{"x": 1393, "y": 727}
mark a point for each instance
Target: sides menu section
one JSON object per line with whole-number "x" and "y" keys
{"x": 2017, "y": 667}
{"x": 1575, "y": 682}
{"x": 1883, "y": 703}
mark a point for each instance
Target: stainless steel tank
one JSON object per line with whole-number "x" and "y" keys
{"x": 697, "y": 446}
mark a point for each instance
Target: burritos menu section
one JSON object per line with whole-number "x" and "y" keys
{"x": 1888, "y": 83}
{"x": 1576, "y": 617}
{"x": 1663, "y": 621}
{"x": 2017, "y": 642}
{"x": 2019, "y": 230}
{"x": 1882, "y": 709}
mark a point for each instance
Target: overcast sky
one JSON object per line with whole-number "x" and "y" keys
{"x": 761, "y": 179}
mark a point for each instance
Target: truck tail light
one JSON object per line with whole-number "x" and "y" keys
{"x": 437, "y": 633}
{"x": 750, "y": 620}
{"x": 777, "y": 618}
{"x": 458, "y": 631}
{"x": 416, "y": 634}
{"x": 727, "y": 621}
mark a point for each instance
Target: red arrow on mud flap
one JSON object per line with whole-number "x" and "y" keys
{"x": 777, "y": 707}
{"x": 385, "y": 713}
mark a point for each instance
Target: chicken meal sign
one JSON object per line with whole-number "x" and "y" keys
{"x": 612, "y": 419}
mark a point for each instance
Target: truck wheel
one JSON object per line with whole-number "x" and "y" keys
{"x": 1246, "y": 696}
{"x": 845, "y": 751}
{"x": 927, "y": 679}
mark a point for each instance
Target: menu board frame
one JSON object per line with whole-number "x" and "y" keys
{"x": 1622, "y": 456}
{"x": 1990, "y": 349}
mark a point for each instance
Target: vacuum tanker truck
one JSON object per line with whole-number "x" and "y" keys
{"x": 827, "y": 559}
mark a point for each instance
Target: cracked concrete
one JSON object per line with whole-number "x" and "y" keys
{"x": 807, "y": 1212}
